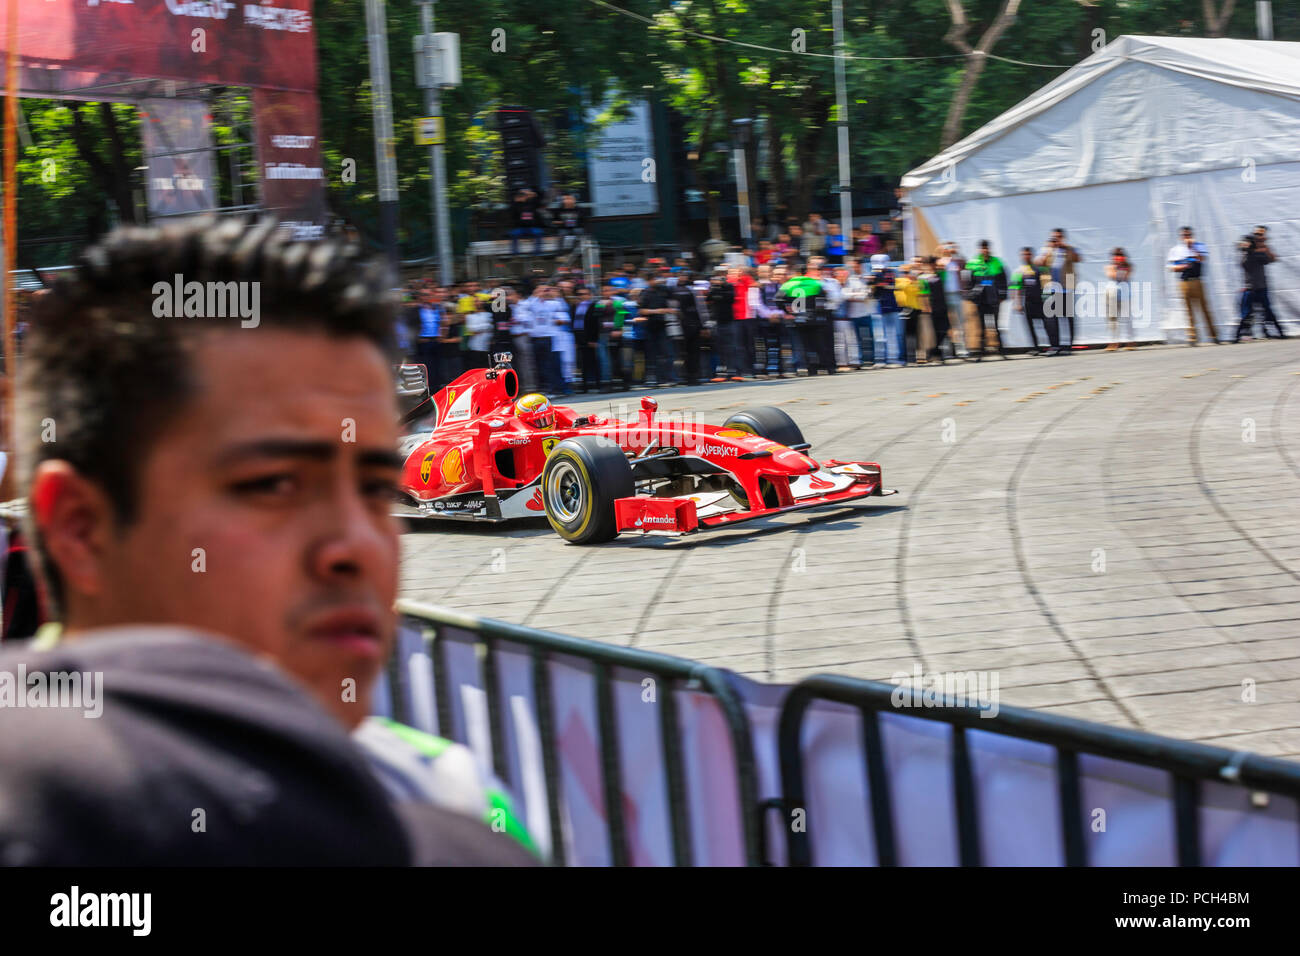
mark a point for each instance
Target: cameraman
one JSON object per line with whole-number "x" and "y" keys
{"x": 1255, "y": 255}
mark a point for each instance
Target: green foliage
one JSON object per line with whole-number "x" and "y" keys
{"x": 565, "y": 58}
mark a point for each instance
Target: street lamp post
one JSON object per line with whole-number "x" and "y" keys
{"x": 435, "y": 75}
{"x": 385, "y": 145}
{"x": 842, "y": 123}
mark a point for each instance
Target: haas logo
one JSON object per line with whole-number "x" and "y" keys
{"x": 535, "y": 502}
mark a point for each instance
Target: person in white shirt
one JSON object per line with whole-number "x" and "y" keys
{"x": 539, "y": 328}
{"x": 857, "y": 295}
{"x": 1186, "y": 261}
{"x": 846, "y": 339}
{"x": 521, "y": 324}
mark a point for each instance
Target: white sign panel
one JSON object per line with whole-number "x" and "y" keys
{"x": 621, "y": 166}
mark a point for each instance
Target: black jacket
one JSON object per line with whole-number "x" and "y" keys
{"x": 190, "y": 722}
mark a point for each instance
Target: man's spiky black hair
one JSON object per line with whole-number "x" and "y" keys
{"x": 104, "y": 373}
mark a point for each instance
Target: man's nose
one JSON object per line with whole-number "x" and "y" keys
{"x": 353, "y": 542}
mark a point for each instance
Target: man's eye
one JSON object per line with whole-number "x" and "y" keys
{"x": 266, "y": 485}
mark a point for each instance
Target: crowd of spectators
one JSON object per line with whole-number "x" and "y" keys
{"x": 801, "y": 301}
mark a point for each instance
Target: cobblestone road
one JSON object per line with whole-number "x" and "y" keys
{"x": 1117, "y": 535}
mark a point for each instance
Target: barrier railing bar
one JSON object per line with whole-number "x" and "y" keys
{"x": 882, "y": 813}
{"x": 1072, "y": 832}
{"x": 675, "y": 775}
{"x": 1187, "y": 826}
{"x": 611, "y": 775}
{"x": 711, "y": 679}
{"x": 496, "y": 719}
{"x": 550, "y": 759}
{"x": 798, "y": 846}
{"x": 441, "y": 693}
{"x": 396, "y": 693}
{"x": 968, "y": 833}
{"x": 1186, "y": 758}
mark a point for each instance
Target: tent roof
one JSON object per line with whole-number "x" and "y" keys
{"x": 1265, "y": 66}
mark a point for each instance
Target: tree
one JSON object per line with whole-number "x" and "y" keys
{"x": 977, "y": 58}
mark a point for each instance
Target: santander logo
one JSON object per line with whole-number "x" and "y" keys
{"x": 655, "y": 519}
{"x": 820, "y": 484}
{"x": 535, "y": 502}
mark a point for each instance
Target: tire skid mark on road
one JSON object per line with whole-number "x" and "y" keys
{"x": 1110, "y": 498}
{"x": 778, "y": 588}
{"x": 1279, "y": 441}
{"x": 1018, "y": 545}
{"x": 660, "y": 590}
{"x": 1194, "y": 455}
{"x": 905, "y": 530}
{"x": 559, "y": 582}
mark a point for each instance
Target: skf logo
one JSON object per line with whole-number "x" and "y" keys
{"x": 453, "y": 467}
{"x": 426, "y": 467}
{"x": 548, "y": 444}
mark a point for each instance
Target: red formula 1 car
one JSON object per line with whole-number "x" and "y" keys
{"x": 486, "y": 454}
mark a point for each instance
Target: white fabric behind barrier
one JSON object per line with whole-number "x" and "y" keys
{"x": 1148, "y": 135}
{"x": 1144, "y": 218}
{"x": 642, "y": 767}
{"x": 1127, "y": 809}
{"x": 582, "y": 802}
{"x": 712, "y": 786}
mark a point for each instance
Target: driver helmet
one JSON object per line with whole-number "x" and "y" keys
{"x": 535, "y": 409}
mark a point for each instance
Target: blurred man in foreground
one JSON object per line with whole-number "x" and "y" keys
{"x": 179, "y": 476}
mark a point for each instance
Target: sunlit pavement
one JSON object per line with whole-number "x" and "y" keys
{"x": 1116, "y": 535}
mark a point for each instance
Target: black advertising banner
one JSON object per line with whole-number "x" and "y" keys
{"x": 289, "y": 158}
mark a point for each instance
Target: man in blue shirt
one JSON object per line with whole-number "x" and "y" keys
{"x": 426, "y": 348}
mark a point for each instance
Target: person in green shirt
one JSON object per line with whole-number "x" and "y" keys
{"x": 988, "y": 290}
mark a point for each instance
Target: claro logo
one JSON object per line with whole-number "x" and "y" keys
{"x": 208, "y": 9}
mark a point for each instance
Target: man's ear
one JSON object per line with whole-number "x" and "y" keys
{"x": 75, "y": 519}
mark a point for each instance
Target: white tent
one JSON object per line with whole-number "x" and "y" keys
{"x": 1144, "y": 136}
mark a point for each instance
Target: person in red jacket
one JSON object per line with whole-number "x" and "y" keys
{"x": 743, "y": 314}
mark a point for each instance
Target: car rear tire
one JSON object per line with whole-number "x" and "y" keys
{"x": 582, "y": 479}
{"x": 767, "y": 422}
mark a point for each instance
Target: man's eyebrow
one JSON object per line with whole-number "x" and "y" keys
{"x": 382, "y": 459}
{"x": 305, "y": 449}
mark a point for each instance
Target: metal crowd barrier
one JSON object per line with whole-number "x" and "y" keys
{"x": 604, "y": 657}
{"x": 1189, "y": 765}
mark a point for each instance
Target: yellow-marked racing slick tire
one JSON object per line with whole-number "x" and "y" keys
{"x": 582, "y": 478}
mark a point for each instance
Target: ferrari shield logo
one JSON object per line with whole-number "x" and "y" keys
{"x": 548, "y": 444}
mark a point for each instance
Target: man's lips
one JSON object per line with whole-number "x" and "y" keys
{"x": 357, "y": 629}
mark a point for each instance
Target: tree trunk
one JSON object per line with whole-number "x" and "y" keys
{"x": 1215, "y": 25}
{"x": 977, "y": 58}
